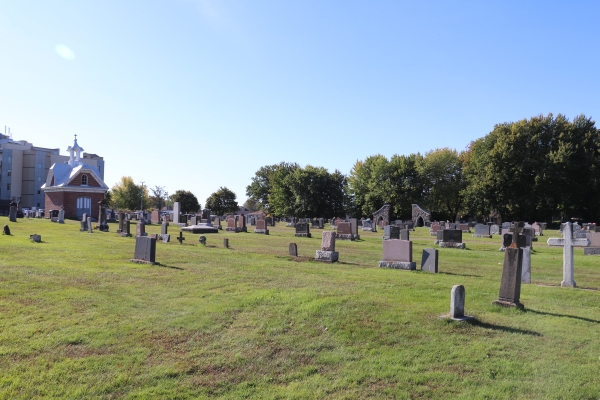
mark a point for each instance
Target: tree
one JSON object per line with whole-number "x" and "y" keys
{"x": 268, "y": 184}
{"x": 127, "y": 195}
{"x": 188, "y": 201}
{"x": 443, "y": 181}
{"x": 159, "y": 197}
{"x": 252, "y": 205}
{"x": 222, "y": 201}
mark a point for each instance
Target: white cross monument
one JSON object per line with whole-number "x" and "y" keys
{"x": 568, "y": 243}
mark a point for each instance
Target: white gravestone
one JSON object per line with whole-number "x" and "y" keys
{"x": 568, "y": 243}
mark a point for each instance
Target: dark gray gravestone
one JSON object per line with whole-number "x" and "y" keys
{"x": 450, "y": 235}
{"x": 226, "y": 243}
{"x": 89, "y": 224}
{"x": 83, "y": 225}
{"x": 526, "y": 268}
{"x": 145, "y": 250}
{"x": 404, "y": 234}
{"x": 202, "y": 240}
{"x": 121, "y": 222}
{"x": 293, "y": 249}
{"x": 391, "y": 232}
{"x": 180, "y": 238}
{"x": 429, "y": 261}
{"x": 482, "y": 230}
{"x": 507, "y": 240}
{"x": 126, "y": 232}
{"x": 36, "y": 238}
{"x": 302, "y": 230}
{"x": 164, "y": 228}
{"x": 12, "y": 215}
{"x": 141, "y": 229}
{"x": 510, "y": 285}
{"x": 6, "y": 230}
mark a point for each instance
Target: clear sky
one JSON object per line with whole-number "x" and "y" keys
{"x": 194, "y": 95}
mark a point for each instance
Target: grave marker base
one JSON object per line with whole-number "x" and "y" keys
{"x": 302, "y": 235}
{"x": 410, "y": 266}
{"x": 348, "y": 237}
{"x": 262, "y": 231}
{"x": 504, "y": 303}
{"x": 327, "y": 256}
{"x": 133, "y": 260}
{"x": 451, "y": 245}
{"x": 483, "y": 236}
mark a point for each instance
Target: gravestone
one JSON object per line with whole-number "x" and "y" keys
{"x": 457, "y": 304}
{"x": 89, "y": 225}
{"x": 397, "y": 254}
{"x": 36, "y": 238}
{"x": 202, "y": 240}
{"x": 302, "y": 230}
{"x": 354, "y": 229}
{"x": 510, "y": 285}
{"x": 537, "y": 228}
{"x": 180, "y": 238}
{"x": 450, "y": 238}
{"x": 494, "y": 229}
{"x": 482, "y": 231}
{"x": 327, "y": 253}
{"x": 102, "y": 224}
{"x": 164, "y": 228}
{"x": 409, "y": 226}
{"x": 464, "y": 227}
{"x": 594, "y": 247}
{"x": 261, "y": 227}
{"x": 126, "y": 232}
{"x": 231, "y": 227}
{"x": 121, "y": 222}
{"x": 507, "y": 240}
{"x": 429, "y": 260}
{"x": 404, "y": 234}
{"x": 241, "y": 224}
{"x": 12, "y": 214}
{"x": 53, "y": 215}
{"x": 166, "y": 238}
{"x": 145, "y": 250}
{"x": 567, "y": 244}
{"x": 217, "y": 222}
{"x": 434, "y": 229}
{"x": 226, "y": 243}
{"x": 140, "y": 229}
{"x": 344, "y": 231}
{"x": 391, "y": 232}
{"x": 367, "y": 225}
{"x": 526, "y": 268}
{"x": 83, "y": 224}
{"x": 293, "y": 250}
{"x": 6, "y": 230}
{"x": 176, "y": 212}
{"x": 155, "y": 217}
{"x": 61, "y": 215}
{"x": 531, "y": 233}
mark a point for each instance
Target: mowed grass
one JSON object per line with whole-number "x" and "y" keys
{"x": 78, "y": 320}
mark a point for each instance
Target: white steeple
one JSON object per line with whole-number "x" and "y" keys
{"x": 74, "y": 153}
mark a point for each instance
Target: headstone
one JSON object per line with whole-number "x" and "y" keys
{"x": 155, "y": 217}
{"x": 367, "y": 225}
{"x": 354, "y": 229}
{"x": 231, "y": 225}
{"x": 434, "y": 229}
{"x": 6, "y": 230}
{"x": 180, "y": 238}
{"x": 141, "y": 229}
{"x": 241, "y": 224}
{"x": 457, "y": 304}
{"x": 568, "y": 243}
{"x": 36, "y": 238}
{"x": 202, "y": 240}
{"x": 594, "y": 247}
{"x": 121, "y": 222}
{"x": 408, "y": 226}
{"x": 429, "y": 261}
{"x": 176, "y": 212}
{"x": 164, "y": 228}
{"x": 464, "y": 228}
{"x": 482, "y": 231}
{"x": 510, "y": 285}
{"x": 102, "y": 224}
{"x": 89, "y": 225}
{"x": 391, "y": 232}
{"x": 61, "y": 215}
{"x": 404, "y": 234}
{"x": 12, "y": 214}
{"x": 494, "y": 229}
{"x": 166, "y": 238}
{"x": 226, "y": 243}
{"x": 293, "y": 250}
{"x": 344, "y": 231}
{"x": 327, "y": 252}
{"x": 126, "y": 232}
{"x": 261, "y": 227}
{"x": 302, "y": 230}
{"x": 537, "y": 228}
{"x": 450, "y": 238}
{"x": 217, "y": 222}
{"x": 83, "y": 224}
{"x": 507, "y": 240}
{"x": 397, "y": 254}
{"x": 145, "y": 250}
{"x": 526, "y": 268}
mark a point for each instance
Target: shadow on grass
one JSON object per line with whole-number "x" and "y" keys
{"x": 562, "y": 316}
{"x": 501, "y": 328}
{"x": 452, "y": 273}
{"x": 169, "y": 266}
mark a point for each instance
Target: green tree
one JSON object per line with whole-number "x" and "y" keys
{"x": 188, "y": 201}
{"x": 267, "y": 185}
{"x": 159, "y": 197}
{"x": 252, "y": 205}
{"x": 222, "y": 201}
{"x": 443, "y": 182}
{"x": 126, "y": 195}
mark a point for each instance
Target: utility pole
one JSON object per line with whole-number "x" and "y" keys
{"x": 142, "y": 199}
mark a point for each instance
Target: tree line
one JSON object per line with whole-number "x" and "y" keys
{"x": 534, "y": 169}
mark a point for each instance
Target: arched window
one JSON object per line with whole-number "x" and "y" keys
{"x": 84, "y": 180}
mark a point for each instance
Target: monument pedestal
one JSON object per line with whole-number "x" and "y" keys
{"x": 327, "y": 256}
{"x": 398, "y": 265}
{"x": 451, "y": 245}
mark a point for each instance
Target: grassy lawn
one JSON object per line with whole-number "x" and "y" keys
{"x": 78, "y": 320}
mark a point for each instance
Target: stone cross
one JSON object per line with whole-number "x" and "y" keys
{"x": 568, "y": 243}
{"x": 180, "y": 238}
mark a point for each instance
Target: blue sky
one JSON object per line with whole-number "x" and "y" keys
{"x": 194, "y": 95}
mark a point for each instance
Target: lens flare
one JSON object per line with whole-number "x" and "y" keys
{"x": 64, "y": 52}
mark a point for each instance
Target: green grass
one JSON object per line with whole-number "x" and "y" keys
{"x": 78, "y": 320}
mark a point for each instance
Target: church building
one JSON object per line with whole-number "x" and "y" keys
{"x": 74, "y": 185}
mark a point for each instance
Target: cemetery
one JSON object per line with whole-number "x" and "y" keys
{"x": 132, "y": 314}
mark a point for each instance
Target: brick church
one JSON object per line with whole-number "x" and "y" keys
{"x": 74, "y": 185}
